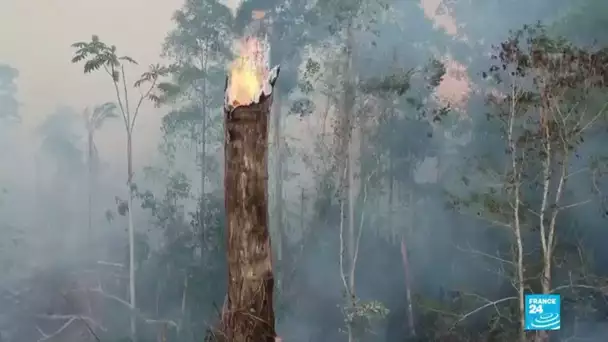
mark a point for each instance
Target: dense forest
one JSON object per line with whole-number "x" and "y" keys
{"x": 423, "y": 176}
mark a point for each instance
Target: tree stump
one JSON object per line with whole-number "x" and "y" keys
{"x": 249, "y": 312}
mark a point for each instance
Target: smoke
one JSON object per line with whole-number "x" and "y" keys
{"x": 43, "y": 207}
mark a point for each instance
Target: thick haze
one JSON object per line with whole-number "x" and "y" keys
{"x": 36, "y": 38}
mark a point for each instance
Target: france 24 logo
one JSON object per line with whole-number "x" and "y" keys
{"x": 543, "y": 312}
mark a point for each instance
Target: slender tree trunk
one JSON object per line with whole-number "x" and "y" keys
{"x": 203, "y": 156}
{"x": 351, "y": 236}
{"x": 516, "y": 221}
{"x": 345, "y": 164}
{"x": 520, "y": 265}
{"x": 391, "y": 116}
{"x": 250, "y": 314}
{"x": 391, "y": 170}
{"x": 349, "y": 99}
{"x": 545, "y": 207}
{"x": 90, "y": 189}
{"x": 302, "y": 209}
{"x": 203, "y": 199}
{"x": 547, "y": 165}
{"x": 391, "y": 192}
{"x": 131, "y": 235}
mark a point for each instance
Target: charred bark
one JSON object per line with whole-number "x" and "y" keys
{"x": 249, "y": 314}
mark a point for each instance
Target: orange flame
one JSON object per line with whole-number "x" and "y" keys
{"x": 248, "y": 72}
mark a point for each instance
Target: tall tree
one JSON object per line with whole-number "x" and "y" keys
{"x": 93, "y": 120}
{"x": 199, "y": 45}
{"x": 548, "y": 101}
{"x": 347, "y": 19}
{"x": 97, "y": 55}
{"x": 402, "y": 136}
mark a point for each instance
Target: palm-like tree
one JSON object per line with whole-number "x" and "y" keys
{"x": 61, "y": 142}
{"x": 97, "y": 55}
{"x": 93, "y": 121}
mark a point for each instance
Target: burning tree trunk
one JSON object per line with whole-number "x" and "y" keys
{"x": 249, "y": 313}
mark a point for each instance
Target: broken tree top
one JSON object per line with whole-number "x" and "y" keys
{"x": 249, "y": 78}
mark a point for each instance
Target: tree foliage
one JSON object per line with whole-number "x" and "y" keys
{"x": 62, "y": 139}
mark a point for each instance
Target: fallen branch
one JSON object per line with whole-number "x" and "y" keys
{"x": 46, "y": 337}
{"x": 87, "y": 319}
{"x": 135, "y": 311}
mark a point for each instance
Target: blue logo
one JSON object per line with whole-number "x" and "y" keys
{"x": 542, "y": 312}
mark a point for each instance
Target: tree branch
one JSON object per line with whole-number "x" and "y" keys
{"x": 490, "y": 303}
{"x": 490, "y": 256}
{"x": 574, "y": 205}
{"x": 125, "y": 114}
{"x": 141, "y": 100}
{"x": 594, "y": 119}
{"x": 585, "y": 169}
{"x": 602, "y": 289}
{"x": 124, "y": 85}
{"x": 558, "y": 197}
